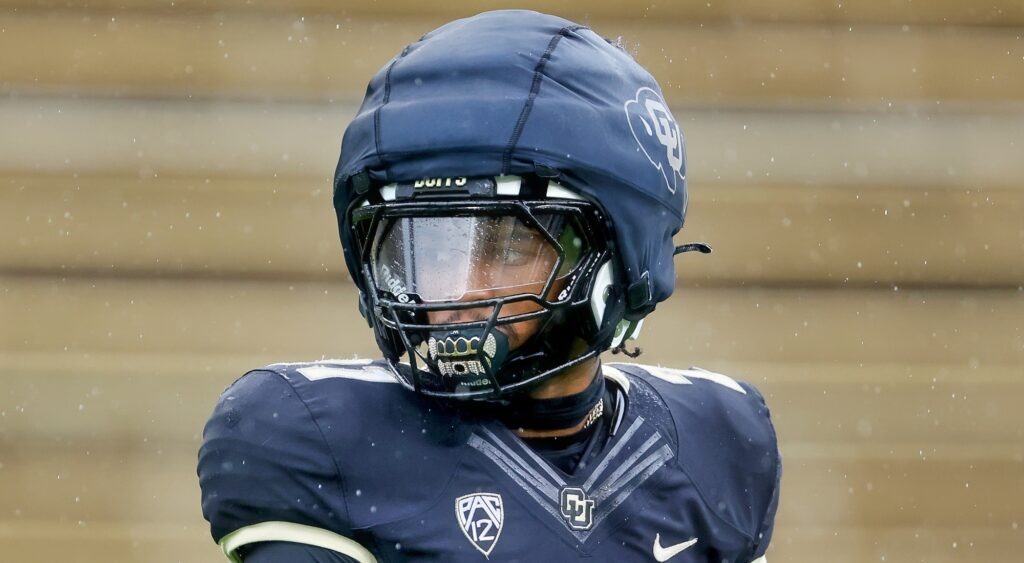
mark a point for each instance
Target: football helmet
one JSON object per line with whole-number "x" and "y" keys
{"x": 511, "y": 169}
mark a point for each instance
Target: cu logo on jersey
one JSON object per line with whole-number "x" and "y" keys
{"x": 658, "y": 136}
{"x": 480, "y": 517}
{"x": 577, "y": 509}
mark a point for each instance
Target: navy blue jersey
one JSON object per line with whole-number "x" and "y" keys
{"x": 690, "y": 473}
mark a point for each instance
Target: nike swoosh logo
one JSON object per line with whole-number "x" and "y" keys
{"x": 666, "y": 553}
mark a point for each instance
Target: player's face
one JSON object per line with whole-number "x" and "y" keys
{"x": 514, "y": 252}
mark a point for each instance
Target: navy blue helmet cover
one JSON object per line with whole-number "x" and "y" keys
{"x": 517, "y": 92}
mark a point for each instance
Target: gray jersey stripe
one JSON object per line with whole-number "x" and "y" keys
{"x": 540, "y": 462}
{"x": 658, "y": 458}
{"x": 613, "y": 452}
{"x": 511, "y": 467}
{"x": 662, "y": 455}
{"x": 630, "y": 462}
{"x": 652, "y": 463}
{"x": 620, "y": 484}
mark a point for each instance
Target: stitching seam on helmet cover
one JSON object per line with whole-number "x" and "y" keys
{"x": 538, "y": 73}
{"x": 384, "y": 102}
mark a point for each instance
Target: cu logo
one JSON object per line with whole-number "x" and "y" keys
{"x": 658, "y": 136}
{"x": 577, "y": 509}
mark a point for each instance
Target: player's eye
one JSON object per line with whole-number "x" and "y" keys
{"x": 523, "y": 246}
{"x": 519, "y": 254}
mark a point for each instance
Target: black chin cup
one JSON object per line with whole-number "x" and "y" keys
{"x": 467, "y": 354}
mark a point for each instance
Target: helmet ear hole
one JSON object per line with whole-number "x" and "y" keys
{"x": 607, "y": 315}
{"x": 604, "y": 281}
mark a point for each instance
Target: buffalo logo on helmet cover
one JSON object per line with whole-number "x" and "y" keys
{"x": 658, "y": 136}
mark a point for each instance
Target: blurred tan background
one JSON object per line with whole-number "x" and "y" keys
{"x": 165, "y": 224}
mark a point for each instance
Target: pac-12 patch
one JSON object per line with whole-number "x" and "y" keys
{"x": 481, "y": 516}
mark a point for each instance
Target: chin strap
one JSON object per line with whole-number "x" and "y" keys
{"x": 630, "y": 329}
{"x": 621, "y": 349}
{"x": 701, "y": 247}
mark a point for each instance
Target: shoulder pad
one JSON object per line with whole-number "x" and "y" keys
{"x": 726, "y": 442}
{"x": 374, "y": 428}
{"x": 264, "y": 458}
{"x": 369, "y": 371}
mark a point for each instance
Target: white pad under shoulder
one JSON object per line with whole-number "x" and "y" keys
{"x": 294, "y": 533}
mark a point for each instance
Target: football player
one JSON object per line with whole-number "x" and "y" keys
{"x": 506, "y": 197}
